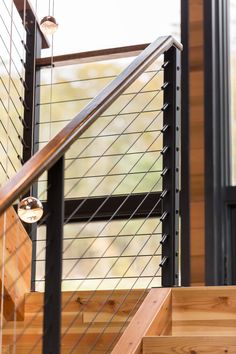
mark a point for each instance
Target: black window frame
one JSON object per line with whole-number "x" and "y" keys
{"x": 185, "y": 174}
{"x": 220, "y": 195}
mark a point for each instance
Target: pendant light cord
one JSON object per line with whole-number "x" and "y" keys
{"x": 51, "y": 76}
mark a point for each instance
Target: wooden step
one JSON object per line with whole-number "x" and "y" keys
{"x": 153, "y": 313}
{"x": 189, "y": 345}
{"x": 120, "y": 301}
{"x": 102, "y": 342}
{"x": 183, "y": 320}
{"x": 26, "y": 349}
{"x": 85, "y": 318}
{"x": 204, "y": 310}
{"x": 17, "y": 270}
{"x": 64, "y": 350}
{"x": 68, "y": 329}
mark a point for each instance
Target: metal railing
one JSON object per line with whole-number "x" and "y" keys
{"x": 139, "y": 194}
{"x": 12, "y": 76}
{"x": 125, "y": 171}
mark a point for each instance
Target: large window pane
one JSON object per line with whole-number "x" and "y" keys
{"x": 109, "y": 24}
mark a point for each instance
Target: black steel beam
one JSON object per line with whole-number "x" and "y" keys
{"x": 53, "y": 267}
{"x": 115, "y": 207}
{"x": 31, "y": 115}
{"x": 34, "y": 45}
{"x": 217, "y": 155}
{"x": 171, "y": 135}
{"x": 185, "y": 175}
{"x": 230, "y": 196}
{"x": 233, "y": 244}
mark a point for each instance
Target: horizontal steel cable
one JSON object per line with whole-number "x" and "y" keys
{"x": 103, "y": 236}
{"x": 39, "y": 312}
{"x": 14, "y": 64}
{"x": 132, "y": 312}
{"x": 109, "y": 170}
{"x": 90, "y": 98}
{"x": 91, "y": 296}
{"x": 15, "y": 25}
{"x": 123, "y": 301}
{"x": 87, "y": 79}
{"x": 100, "y": 117}
{"x": 67, "y": 329}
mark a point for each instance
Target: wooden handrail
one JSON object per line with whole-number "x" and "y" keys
{"x": 57, "y": 146}
{"x": 92, "y": 56}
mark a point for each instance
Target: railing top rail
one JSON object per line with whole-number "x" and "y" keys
{"x": 57, "y": 146}
{"x": 92, "y": 56}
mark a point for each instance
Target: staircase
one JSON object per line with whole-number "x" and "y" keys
{"x": 93, "y": 321}
{"x": 82, "y": 329}
{"x": 195, "y": 320}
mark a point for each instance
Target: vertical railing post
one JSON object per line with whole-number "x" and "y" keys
{"x": 171, "y": 140}
{"x": 53, "y": 268}
{"x": 33, "y": 47}
{"x": 31, "y": 82}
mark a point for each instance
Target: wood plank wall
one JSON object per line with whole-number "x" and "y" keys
{"x": 14, "y": 269}
{"x": 196, "y": 100}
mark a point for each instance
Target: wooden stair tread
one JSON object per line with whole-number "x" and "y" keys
{"x": 17, "y": 270}
{"x": 33, "y": 343}
{"x": 79, "y": 312}
{"x": 189, "y": 344}
{"x": 65, "y": 349}
{"x": 73, "y": 301}
{"x": 68, "y": 339}
{"x": 184, "y": 320}
{"x": 79, "y": 328}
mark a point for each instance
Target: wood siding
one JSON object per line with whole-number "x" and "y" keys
{"x": 196, "y": 126}
{"x": 16, "y": 248}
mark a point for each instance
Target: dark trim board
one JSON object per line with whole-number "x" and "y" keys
{"x": 115, "y": 207}
{"x": 92, "y": 56}
{"x": 185, "y": 174}
{"x": 230, "y": 195}
{"x": 233, "y": 243}
{"x": 230, "y": 215}
{"x": 217, "y": 157}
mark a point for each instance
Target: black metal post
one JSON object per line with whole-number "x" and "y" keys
{"x": 231, "y": 251}
{"x": 185, "y": 173}
{"x": 31, "y": 82}
{"x": 217, "y": 136}
{"x": 53, "y": 268}
{"x": 171, "y": 139}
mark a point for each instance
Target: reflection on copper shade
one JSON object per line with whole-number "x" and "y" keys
{"x": 30, "y": 210}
